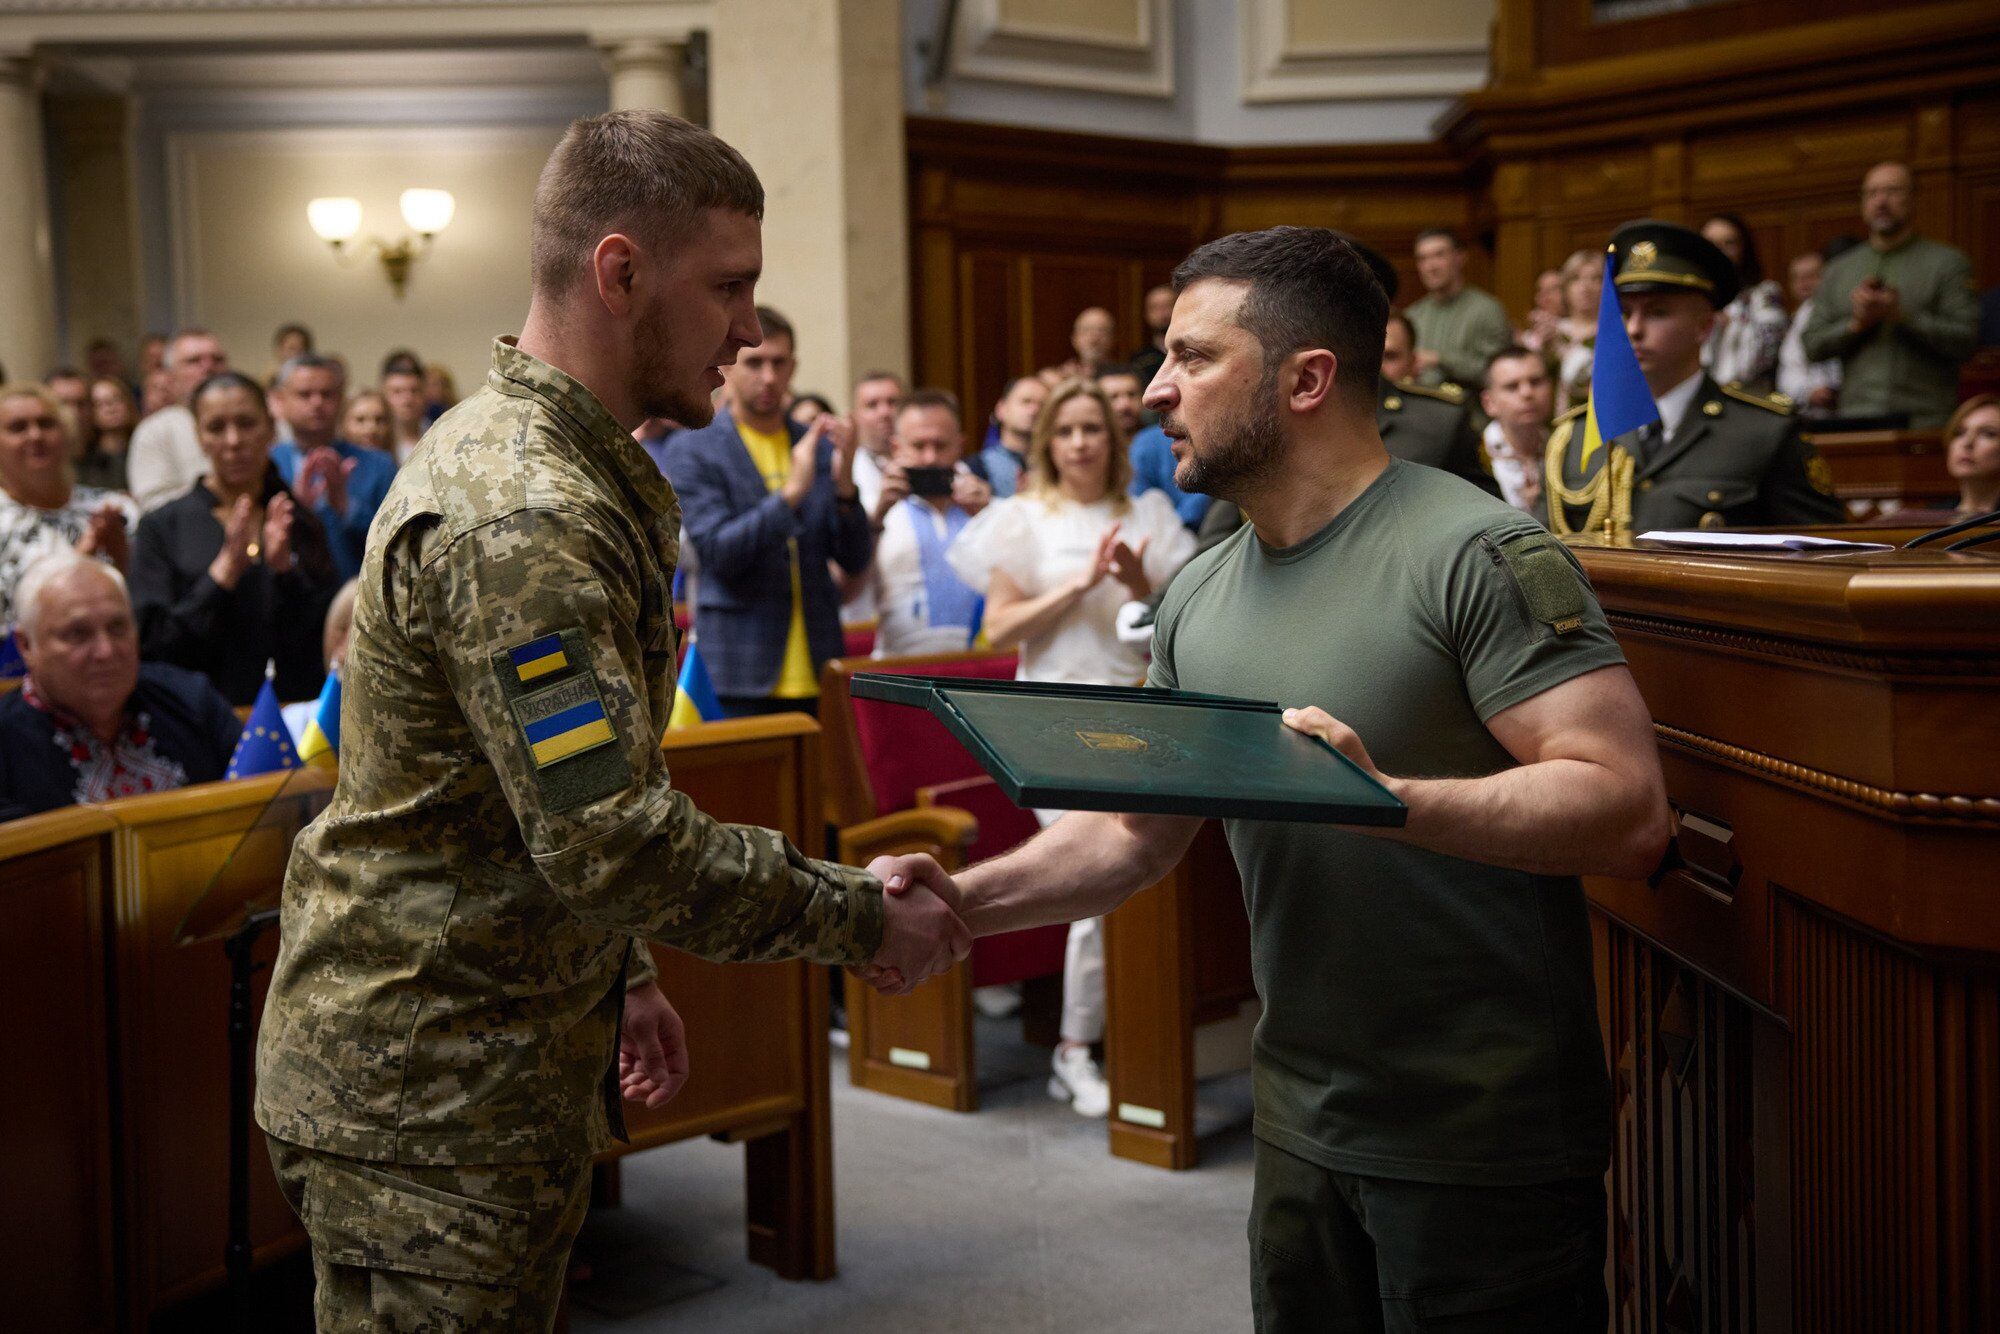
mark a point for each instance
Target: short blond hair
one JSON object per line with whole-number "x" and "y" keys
{"x": 1040, "y": 480}
{"x": 66, "y": 421}
{"x": 639, "y": 171}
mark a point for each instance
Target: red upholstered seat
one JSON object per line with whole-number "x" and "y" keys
{"x": 859, "y": 639}
{"x": 904, "y": 749}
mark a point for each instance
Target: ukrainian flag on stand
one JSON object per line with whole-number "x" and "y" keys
{"x": 321, "y": 743}
{"x": 1619, "y": 398}
{"x": 694, "y": 694}
{"x": 266, "y": 744}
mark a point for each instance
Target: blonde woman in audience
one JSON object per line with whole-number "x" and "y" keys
{"x": 440, "y": 390}
{"x": 42, "y": 507}
{"x": 1572, "y": 347}
{"x": 1545, "y": 316}
{"x": 339, "y": 629}
{"x": 113, "y": 415}
{"x": 1055, "y": 562}
{"x": 365, "y": 421}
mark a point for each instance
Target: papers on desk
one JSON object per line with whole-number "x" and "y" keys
{"x": 1758, "y": 541}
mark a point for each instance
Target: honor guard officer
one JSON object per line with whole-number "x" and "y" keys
{"x": 1720, "y": 456}
{"x": 448, "y": 1019}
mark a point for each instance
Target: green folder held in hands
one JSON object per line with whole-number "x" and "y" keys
{"x": 1150, "y": 752}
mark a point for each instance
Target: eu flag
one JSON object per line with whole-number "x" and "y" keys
{"x": 1619, "y": 398}
{"x": 266, "y": 744}
{"x": 694, "y": 694}
{"x": 10, "y": 657}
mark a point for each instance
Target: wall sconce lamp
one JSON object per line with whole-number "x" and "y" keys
{"x": 337, "y": 221}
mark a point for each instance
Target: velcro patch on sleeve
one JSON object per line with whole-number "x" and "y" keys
{"x": 1549, "y": 584}
{"x": 567, "y": 736}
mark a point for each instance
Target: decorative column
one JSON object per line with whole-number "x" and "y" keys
{"x": 811, "y": 92}
{"x": 646, "y": 72}
{"x": 27, "y": 273}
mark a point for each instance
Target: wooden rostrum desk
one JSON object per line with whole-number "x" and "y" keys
{"x": 1803, "y": 1016}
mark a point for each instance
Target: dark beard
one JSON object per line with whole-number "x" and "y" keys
{"x": 649, "y": 346}
{"x": 1238, "y": 453}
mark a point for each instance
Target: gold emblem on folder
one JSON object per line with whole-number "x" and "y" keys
{"x": 1111, "y": 741}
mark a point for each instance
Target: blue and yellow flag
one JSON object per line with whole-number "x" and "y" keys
{"x": 694, "y": 693}
{"x": 1619, "y": 398}
{"x": 10, "y": 657}
{"x": 321, "y": 743}
{"x": 266, "y": 744}
{"x": 539, "y": 658}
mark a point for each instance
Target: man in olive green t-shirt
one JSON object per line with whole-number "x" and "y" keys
{"x": 1433, "y": 1115}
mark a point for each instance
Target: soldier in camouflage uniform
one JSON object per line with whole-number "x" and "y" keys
{"x": 449, "y": 1011}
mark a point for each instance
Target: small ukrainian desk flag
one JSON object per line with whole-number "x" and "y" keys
{"x": 266, "y": 744}
{"x": 694, "y": 694}
{"x": 320, "y": 746}
{"x": 1619, "y": 398}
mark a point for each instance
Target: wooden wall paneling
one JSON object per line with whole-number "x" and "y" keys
{"x": 56, "y": 1120}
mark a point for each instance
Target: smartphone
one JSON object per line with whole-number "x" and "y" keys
{"x": 930, "y": 482}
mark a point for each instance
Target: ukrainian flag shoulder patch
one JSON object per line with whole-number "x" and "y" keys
{"x": 563, "y": 720}
{"x": 538, "y": 658}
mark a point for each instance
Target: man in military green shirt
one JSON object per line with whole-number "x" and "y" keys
{"x": 448, "y": 1023}
{"x": 1433, "y": 1115}
{"x": 1458, "y": 327}
{"x": 1719, "y": 457}
{"x": 1900, "y": 312}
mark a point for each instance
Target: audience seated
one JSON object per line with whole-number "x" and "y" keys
{"x": 1898, "y": 311}
{"x": 1006, "y": 455}
{"x": 114, "y": 414}
{"x": 1569, "y": 351}
{"x": 1147, "y": 359}
{"x": 333, "y": 648}
{"x": 876, "y": 395}
{"x": 341, "y": 482}
{"x": 365, "y": 422}
{"x": 1056, "y": 562}
{"x": 42, "y": 509}
{"x": 922, "y": 605}
{"x": 767, "y": 504}
{"x": 1972, "y": 457}
{"x": 1458, "y": 327}
{"x": 1743, "y": 348}
{"x": 234, "y": 574}
{"x": 166, "y": 458}
{"x": 409, "y": 412}
{"x": 1520, "y": 399}
{"x": 1092, "y": 340}
{"x": 1545, "y": 316}
{"x": 1813, "y": 386}
{"x": 90, "y": 721}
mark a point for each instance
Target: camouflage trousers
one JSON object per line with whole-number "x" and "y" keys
{"x": 405, "y": 1248}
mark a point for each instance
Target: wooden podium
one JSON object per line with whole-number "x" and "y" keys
{"x": 1803, "y": 1018}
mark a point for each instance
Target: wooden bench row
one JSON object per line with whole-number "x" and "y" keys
{"x": 116, "y": 1123}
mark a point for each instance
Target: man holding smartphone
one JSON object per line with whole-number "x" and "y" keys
{"x": 929, "y": 496}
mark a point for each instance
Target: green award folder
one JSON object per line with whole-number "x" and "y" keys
{"x": 1152, "y": 752}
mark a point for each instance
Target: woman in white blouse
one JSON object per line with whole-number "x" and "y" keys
{"x": 1055, "y": 562}
{"x": 1749, "y": 331}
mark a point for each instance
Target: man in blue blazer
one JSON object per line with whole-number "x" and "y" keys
{"x": 767, "y": 504}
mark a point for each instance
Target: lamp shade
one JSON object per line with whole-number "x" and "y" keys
{"x": 428, "y": 211}
{"x": 334, "y": 219}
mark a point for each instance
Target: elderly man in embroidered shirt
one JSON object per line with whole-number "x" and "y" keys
{"x": 91, "y": 722}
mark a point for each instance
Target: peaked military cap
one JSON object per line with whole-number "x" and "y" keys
{"x": 1654, "y": 256}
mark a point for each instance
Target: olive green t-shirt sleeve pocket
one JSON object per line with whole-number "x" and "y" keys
{"x": 1522, "y": 617}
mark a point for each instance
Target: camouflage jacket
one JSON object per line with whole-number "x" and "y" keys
{"x": 456, "y": 924}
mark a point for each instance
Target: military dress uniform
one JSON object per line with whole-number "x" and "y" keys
{"x": 437, "y": 1062}
{"x": 1735, "y": 459}
{"x": 1432, "y": 427}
